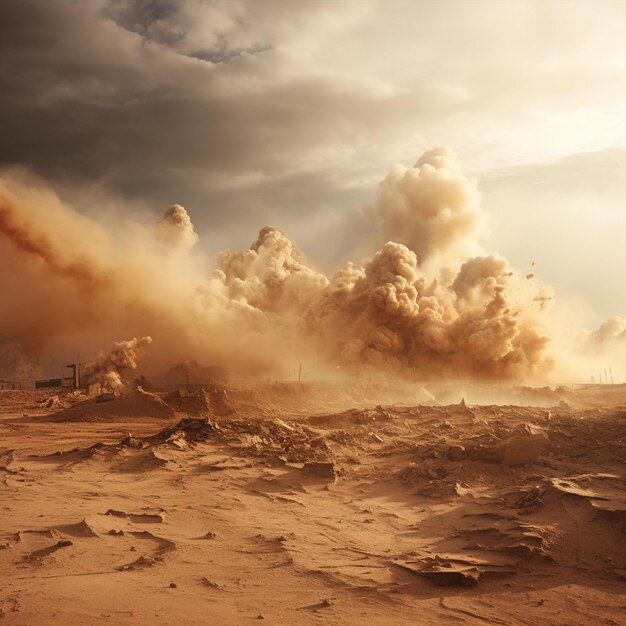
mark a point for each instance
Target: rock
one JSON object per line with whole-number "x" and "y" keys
{"x": 456, "y": 453}
{"x": 107, "y": 397}
{"x": 445, "y": 575}
{"x": 520, "y": 450}
{"x": 54, "y": 402}
{"x": 141, "y": 563}
{"x": 320, "y": 470}
{"x": 209, "y": 535}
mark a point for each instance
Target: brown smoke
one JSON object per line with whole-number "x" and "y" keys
{"x": 74, "y": 285}
{"x": 52, "y": 272}
{"x": 428, "y": 304}
{"x": 14, "y": 364}
{"x": 63, "y": 254}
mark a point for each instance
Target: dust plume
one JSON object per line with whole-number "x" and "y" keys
{"x": 175, "y": 229}
{"x": 388, "y": 317}
{"x": 611, "y": 333}
{"x": 430, "y": 303}
{"x": 68, "y": 250}
{"x": 107, "y": 369}
{"x": 431, "y": 207}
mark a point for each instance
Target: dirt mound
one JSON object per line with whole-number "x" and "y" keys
{"x": 200, "y": 403}
{"x": 137, "y": 404}
{"x": 19, "y": 400}
{"x": 274, "y": 440}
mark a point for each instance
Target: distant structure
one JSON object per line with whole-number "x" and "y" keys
{"x": 11, "y": 384}
{"x": 191, "y": 375}
{"x": 71, "y": 381}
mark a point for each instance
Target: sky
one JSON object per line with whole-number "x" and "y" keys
{"x": 290, "y": 113}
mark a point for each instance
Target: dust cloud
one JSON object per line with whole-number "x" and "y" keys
{"x": 107, "y": 369}
{"x": 429, "y": 303}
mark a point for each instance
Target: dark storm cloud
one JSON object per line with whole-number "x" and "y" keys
{"x": 86, "y": 96}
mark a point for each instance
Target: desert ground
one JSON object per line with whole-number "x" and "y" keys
{"x": 299, "y": 504}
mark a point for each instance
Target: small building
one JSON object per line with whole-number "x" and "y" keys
{"x": 71, "y": 381}
{"x": 191, "y": 375}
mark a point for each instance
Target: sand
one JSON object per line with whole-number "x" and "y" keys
{"x": 137, "y": 404}
{"x": 138, "y": 511}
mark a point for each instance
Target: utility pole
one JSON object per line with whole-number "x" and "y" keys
{"x": 300, "y": 374}
{"x": 611, "y": 372}
{"x": 76, "y": 372}
{"x": 606, "y": 379}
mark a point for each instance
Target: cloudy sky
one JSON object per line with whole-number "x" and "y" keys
{"x": 289, "y": 112}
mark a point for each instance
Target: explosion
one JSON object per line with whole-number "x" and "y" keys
{"x": 107, "y": 369}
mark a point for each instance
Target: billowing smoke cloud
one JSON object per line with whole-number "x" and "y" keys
{"x": 431, "y": 207}
{"x": 107, "y": 369}
{"x": 388, "y": 317}
{"x": 70, "y": 249}
{"x": 53, "y": 272}
{"x": 429, "y": 303}
{"x": 73, "y": 285}
{"x": 271, "y": 276}
{"x": 175, "y": 229}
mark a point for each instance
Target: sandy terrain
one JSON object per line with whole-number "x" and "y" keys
{"x": 235, "y": 508}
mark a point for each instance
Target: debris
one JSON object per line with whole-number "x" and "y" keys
{"x": 209, "y": 535}
{"x": 39, "y": 554}
{"x": 321, "y": 470}
{"x": 107, "y": 397}
{"x": 456, "y": 453}
{"x": 53, "y": 402}
{"x": 142, "y": 562}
